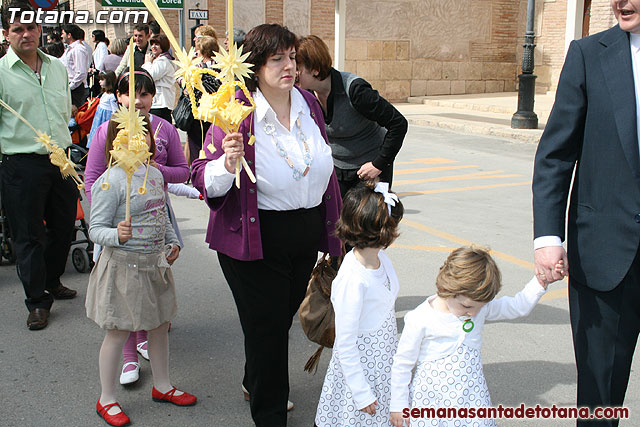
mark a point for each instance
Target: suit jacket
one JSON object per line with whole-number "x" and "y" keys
{"x": 592, "y": 131}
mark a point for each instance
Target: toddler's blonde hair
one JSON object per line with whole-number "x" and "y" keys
{"x": 469, "y": 271}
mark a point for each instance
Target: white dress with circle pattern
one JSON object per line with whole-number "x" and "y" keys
{"x": 453, "y": 381}
{"x": 359, "y": 372}
{"x": 448, "y": 366}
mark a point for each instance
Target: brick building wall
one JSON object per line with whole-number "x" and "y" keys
{"x": 434, "y": 47}
{"x": 550, "y": 41}
{"x": 417, "y": 47}
{"x": 602, "y": 16}
{"x": 274, "y": 11}
{"x": 323, "y": 18}
{"x": 218, "y": 17}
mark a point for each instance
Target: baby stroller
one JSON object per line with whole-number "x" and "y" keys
{"x": 6, "y": 243}
{"x": 82, "y": 257}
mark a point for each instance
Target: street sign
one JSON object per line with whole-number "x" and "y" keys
{"x": 162, "y": 4}
{"x": 199, "y": 14}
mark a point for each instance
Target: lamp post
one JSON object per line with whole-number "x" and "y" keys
{"x": 525, "y": 118}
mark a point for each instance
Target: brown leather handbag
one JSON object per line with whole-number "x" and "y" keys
{"x": 316, "y": 312}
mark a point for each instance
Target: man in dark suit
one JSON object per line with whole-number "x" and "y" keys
{"x": 593, "y": 131}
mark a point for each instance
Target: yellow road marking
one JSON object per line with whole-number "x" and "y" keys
{"x": 429, "y": 161}
{"x": 439, "y": 168}
{"x": 551, "y": 295}
{"x": 474, "y": 175}
{"x": 422, "y": 248}
{"x": 450, "y": 190}
{"x": 556, "y": 293}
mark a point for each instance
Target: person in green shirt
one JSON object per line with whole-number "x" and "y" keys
{"x": 40, "y": 205}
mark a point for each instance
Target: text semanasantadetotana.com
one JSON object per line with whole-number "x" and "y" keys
{"x": 519, "y": 412}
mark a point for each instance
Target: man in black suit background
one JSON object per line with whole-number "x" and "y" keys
{"x": 593, "y": 131}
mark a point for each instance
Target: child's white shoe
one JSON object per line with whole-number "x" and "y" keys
{"x": 130, "y": 376}
{"x": 142, "y": 349}
{"x": 247, "y": 397}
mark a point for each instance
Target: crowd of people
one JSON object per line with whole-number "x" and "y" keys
{"x": 323, "y": 157}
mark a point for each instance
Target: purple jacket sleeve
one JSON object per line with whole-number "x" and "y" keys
{"x": 174, "y": 168}
{"x": 96, "y": 161}
{"x": 214, "y": 135}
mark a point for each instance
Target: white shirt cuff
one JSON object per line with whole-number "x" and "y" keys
{"x": 544, "y": 241}
{"x": 217, "y": 179}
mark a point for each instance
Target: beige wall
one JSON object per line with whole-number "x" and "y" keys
{"x": 601, "y": 16}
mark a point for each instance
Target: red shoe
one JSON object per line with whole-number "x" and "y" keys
{"x": 119, "y": 419}
{"x": 185, "y": 399}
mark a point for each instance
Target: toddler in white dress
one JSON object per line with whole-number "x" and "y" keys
{"x": 442, "y": 338}
{"x": 356, "y": 387}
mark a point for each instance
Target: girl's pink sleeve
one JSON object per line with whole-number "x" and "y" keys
{"x": 96, "y": 161}
{"x": 176, "y": 170}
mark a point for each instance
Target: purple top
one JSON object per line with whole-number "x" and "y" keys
{"x": 238, "y": 236}
{"x": 169, "y": 155}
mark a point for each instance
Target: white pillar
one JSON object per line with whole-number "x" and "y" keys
{"x": 575, "y": 13}
{"x": 340, "y": 44}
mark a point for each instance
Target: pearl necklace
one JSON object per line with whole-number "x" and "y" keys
{"x": 270, "y": 129}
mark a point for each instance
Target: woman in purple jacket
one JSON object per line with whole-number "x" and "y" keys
{"x": 268, "y": 234}
{"x": 169, "y": 160}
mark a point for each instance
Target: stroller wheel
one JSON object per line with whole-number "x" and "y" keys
{"x": 7, "y": 252}
{"x": 80, "y": 260}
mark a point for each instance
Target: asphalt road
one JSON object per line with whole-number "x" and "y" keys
{"x": 456, "y": 189}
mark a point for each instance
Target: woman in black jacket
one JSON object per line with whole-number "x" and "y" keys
{"x": 365, "y": 131}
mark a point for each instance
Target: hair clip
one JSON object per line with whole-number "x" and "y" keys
{"x": 389, "y": 198}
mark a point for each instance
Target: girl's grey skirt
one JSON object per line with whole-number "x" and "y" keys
{"x": 131, "y": 291}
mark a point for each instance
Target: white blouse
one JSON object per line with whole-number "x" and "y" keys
{"x": 277, "y": 188}
{"x": 162, "y": 70}
{"x": 430, "y": 335}
{"x": 361, "y": 303}
{"x": 99, "y": 54}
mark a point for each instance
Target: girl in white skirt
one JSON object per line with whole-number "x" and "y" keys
{"x": 363, "y": 294}
{"x": 442, "y": 338}
{"x": 131, "y": 287}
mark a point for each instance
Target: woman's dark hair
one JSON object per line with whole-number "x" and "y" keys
{"x": 365, "y": 221}
{"x": 263, "y": 41}
{"x": 55, "y": 49}
{"x": 314, "y": 55}
{"x": 143, "y": 81}
{"x": 112, "y": 132}
{"x": 109, "y": 81}
{"x": 100, "y": 36}
{"x": 161, "y": 40}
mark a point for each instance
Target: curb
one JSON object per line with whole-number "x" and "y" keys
{"x": 531, "y": 136}
{"x": 472, "y": 106}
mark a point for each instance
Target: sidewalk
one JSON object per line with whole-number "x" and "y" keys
{"x": 485, "y": 114}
